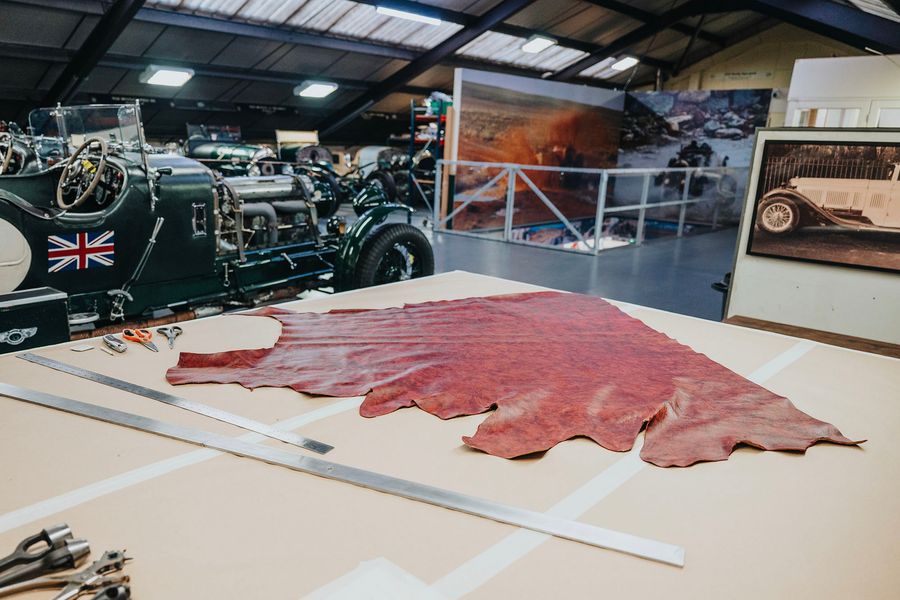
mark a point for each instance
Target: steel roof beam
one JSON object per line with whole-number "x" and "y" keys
{"x": 691, "y": 8}
{"x": 98, "y": 42}
{"x": 137, "y": 63}
{"x": 836, "y": 21}
{"x": 273, "y": 33}
{"x": 466, "y": 20}
{"x": 644, "y": 16}
{"x": 498, "y": 14}
{"x": 846, "y": 24}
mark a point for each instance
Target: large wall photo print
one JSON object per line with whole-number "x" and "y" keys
{"x": 819, "y": 200}
{"x": 510, "y": 119}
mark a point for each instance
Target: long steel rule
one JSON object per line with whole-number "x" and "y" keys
{"x": 479, "y": 507}
{"x": 196, "y": 407}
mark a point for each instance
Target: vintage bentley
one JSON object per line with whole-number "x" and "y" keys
{"x": 861, "y": 204}
{"x": 86, "y": 207}
{"x": 222, "y": 149}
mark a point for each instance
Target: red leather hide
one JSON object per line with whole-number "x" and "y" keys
{"x": 553, "y": 365}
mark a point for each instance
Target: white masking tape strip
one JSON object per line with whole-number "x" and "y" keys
{"x": 476, "y": 572}
{"x": 51, "y": 506}
{"x": 378, "y": 579}
{"x": 777, "y": 364}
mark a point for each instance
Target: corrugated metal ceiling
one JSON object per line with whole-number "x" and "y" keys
{"x": 354, "y": 20}
{"x": 507, "y": 49}
{"x": 336, "y": 17}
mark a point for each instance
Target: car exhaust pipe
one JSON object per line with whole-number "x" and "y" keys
{"x": 265, "y": 210}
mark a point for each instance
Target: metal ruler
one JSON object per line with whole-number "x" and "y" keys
{"x": 479, "y": 507}
{"x": 196, "y": 407}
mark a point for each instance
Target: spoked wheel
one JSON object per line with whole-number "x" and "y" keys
{"x": 778, "y": 215}
{"x": 395, "y": 252}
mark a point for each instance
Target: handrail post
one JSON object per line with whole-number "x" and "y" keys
{"x": 684, "y": 202}
{"x": 642, "y": 213}
{"x": 438, "y": 186}
{"x": 601, "y": 207}
{"x": 510, "y": 201}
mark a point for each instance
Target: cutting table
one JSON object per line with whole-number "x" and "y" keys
{"x": 207, "y": 525}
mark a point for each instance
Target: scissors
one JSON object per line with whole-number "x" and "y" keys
{"x": 141, "y": 336}
{"x": 171, "y": 333}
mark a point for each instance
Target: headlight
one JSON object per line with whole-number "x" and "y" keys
{"x": 254, "y": 171}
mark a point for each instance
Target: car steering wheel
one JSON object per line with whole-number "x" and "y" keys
{"x": 7, "y": 157}
{"x": 81, "y": 173}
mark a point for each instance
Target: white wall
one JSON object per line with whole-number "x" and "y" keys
{"x": 842, "y": 300}
{"x": 866, "y": 86}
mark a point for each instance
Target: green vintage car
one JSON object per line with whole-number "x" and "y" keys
{"x": 89, "y": 209}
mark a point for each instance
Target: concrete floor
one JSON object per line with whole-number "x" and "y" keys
{"x": 672, "y": 274}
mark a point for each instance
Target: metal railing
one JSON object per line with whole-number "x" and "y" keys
{"x": 512, "y": 173}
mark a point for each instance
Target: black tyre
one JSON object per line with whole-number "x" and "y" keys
{"x": 778, "y": 215}
{"x": 335, "y": 189}
{"x": 394, "y": 252}
{"x": 387, "y": 183}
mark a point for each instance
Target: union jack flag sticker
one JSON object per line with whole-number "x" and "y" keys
{"x": 76, "y": 251}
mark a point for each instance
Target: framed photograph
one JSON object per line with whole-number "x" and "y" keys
{"x": 834, "y": 201}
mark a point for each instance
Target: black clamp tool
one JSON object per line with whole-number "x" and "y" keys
{"x": 101, "y": 576}
{"x": 116, "y": 591}
{"x": 57, "y": 551}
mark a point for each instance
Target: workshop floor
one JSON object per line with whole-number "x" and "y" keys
{"x": 673, "y": 274}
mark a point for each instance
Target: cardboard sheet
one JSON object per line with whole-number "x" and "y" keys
{"x": 819, "y": 525}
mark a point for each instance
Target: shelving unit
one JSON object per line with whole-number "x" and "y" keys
{"x": 419, "y": 140}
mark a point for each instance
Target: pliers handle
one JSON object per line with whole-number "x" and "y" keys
{"x": 54, "y": 537}
{"x": 67, "y": 556}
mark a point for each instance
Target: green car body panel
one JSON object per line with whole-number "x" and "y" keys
{"x": 188, "y": 266}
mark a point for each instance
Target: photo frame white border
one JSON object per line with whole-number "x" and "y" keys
{"x": 838, "y": 299}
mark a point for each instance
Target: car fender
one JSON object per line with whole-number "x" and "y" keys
{"x": 351, "y": 244}
{"x": 808, "y": 210}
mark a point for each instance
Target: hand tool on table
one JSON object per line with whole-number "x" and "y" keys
{"x": 99, "y": 574}
{"x": 115, "y": 343}
{"x": 106, "y": 350}
{"x": 171, "y": 332}
{"x": 141, "y": 336}
{"x": 197, "y": 407}
{"x": 67, "y": 556}
{"x": 420, "y": 492}
{"x": 28, "y": 549}
{"x": 116, "y": 591}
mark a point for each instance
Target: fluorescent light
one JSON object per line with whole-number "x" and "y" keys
{"x": 537, "y": 43}
{"x": 168, "y": 76}
{"x": 623, "y": 64}
{"x": 315, "y": 89}
{"x": 402, "y": 14}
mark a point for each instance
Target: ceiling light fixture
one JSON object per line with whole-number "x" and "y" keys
{"x": 409, "y": 16}
{"x": 623, "y": 64}
{"x": 168, "y": 76}
{"x": 315, "y": 89}
{"x": 537, "y": 43}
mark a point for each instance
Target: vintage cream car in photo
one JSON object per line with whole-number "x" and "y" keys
{"x": 860, "y": 204}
